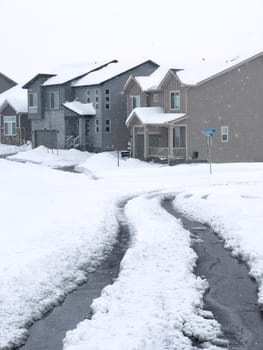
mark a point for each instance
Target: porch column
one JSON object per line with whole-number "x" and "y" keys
{"x": 170, "y": 141}
{"x": 133, "y": 141}
{"x": 146, "y": 142}
{"x": 82, "y": 132}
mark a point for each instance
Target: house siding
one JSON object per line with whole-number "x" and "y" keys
{"x": 5, "y": 83}
{"x": 233, "y": 99}
{"x": 23, "y": 127}
{"x": 172, "y": 83}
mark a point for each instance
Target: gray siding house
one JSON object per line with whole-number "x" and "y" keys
{"x": 82, "y": 107}
{"x": 169, "y": 110}
{"x": 15, "y": 126}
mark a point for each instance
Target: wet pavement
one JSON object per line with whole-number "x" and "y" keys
{"x": 232, "y": 294}
{"x": 49, "y": 332}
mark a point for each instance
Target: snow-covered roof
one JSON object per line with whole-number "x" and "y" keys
{"x": 152, "y": 82}
{"x": 16, "y": 97}
{"x": 106, "y": 73}
{"x": 197, "y": 73}
{"x": 67, "y": 73}
{"x": 80, "y": 108}
{"x": 154, "y": 115}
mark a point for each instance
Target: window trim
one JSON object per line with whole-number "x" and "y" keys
{"x": 155, "y": 97}
{"x": 177, "y": 93}
{"x": 224, "y": 133}
{"x": 136, "y": 98}
{"x": 13, "y": 125}
{"x": 97, "y": 126}
{"x": 107, "y": 95}
{"x": 34, "y": 107}
{"x": 56, "y": 93}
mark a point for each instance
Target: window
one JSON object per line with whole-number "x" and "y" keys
{"x": 175, "y": 100}
{"x": 97, "y": 125}
{"x": 107, "y": 99}
{"x": 155, "y": 98}
{"x": 224, "y": 133}
{"x": 10, "y": 125}
{"x": 54, "y": 100}
{"x": 88, "y": 96}
{"x": 135, "y": 101}
{"x": 108, "y": 125}
{"x": 32, "y": 107}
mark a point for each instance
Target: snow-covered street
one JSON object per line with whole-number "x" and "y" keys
{"x": 55, "y": 225}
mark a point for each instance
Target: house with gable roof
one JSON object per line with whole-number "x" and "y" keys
{"x": 169, "y": 110}
{"x": 15, "y": 127}
{"x": 82, "y": 106}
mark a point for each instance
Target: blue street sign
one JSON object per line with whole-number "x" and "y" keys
{"x": 209, "y": 132}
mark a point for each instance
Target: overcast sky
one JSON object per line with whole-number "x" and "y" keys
{"x": 39, "y": 34}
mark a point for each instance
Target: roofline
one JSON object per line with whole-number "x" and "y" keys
{"x": 117, "y": 75}
{"x": 251, "y": 58}
{"x": 133, "y": 114}
{"x": 71, "y": 110}
{"x": 5, "y": 103}
{"x": 9, "y": 79}
{"x": 26, "y": 85}
{"x": 83, "y": 75}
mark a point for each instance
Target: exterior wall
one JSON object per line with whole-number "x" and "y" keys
{"x": 118, "y": 138}
{"x": 233, "y": 99}
{"x": 36, "y": 87}
{"x": 5, "y": 83}
{"x": 23, "y": 128}
{"x": 172, "y": 83}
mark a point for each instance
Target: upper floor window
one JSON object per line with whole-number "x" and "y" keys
{"x": 155, "y": 98}
{"x": 32, "y": 103}
{"x": 10, "y": 125}
{"x": 135, "y": 101}
{"x": 108, "y": 125}
{"x": 175, "y": 100}
{"x": 88, "y": 96}
{"x": 54, "y": 99}
{"x": 97, "y": 125}
{"x": 107, "y": 99}
{"x": 224, "y": 134}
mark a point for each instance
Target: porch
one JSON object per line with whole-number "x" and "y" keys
{"x": 160, "y": 142}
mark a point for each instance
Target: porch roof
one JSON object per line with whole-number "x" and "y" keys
{"x": 80, "y": 108}
{"x": 154, "y": 115}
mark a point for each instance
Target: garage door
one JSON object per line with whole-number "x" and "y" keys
{"x": 47, "y": 138}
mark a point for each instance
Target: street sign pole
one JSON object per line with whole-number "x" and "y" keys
{"x": 209, "y": 133}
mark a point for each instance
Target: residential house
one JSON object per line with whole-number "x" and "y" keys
{"x": 169, "y": 111}
{"x": 82, "y": 106}
{"x": 15, "y": 126}
{"x": 5, "y": 82}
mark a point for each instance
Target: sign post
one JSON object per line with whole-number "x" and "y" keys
{"x": 209, "y": 133}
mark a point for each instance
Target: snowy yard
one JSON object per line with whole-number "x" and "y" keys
{"x": 55, "y": 225}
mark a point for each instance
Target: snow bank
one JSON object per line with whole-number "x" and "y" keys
{"x": 156, "y": 301}
{"x": 53, "y": 158}
{"x": 11, "y": 149}
{"x": 233, "y": 208}
{"x": 54, "y": 228}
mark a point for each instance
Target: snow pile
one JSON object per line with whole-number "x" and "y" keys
{"x": 52, "y": 158}
{"x": 156, "y": 301}
{"x": 11, "y": 149}
{"x": 54, "y": 228}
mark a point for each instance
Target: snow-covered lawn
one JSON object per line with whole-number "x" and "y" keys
{"x": 55, "y": 224}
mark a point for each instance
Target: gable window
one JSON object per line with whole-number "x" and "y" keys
{"x": 32, "y": 103}
{"x": 135, "y": 101}
{"x": 107, "y": 99}
{"x": 10, "y": 125}
{"x": 88, "y": 96}
{"x": 108, "y": 125}
{"x": 224, "y": 134}
{"x": 174, "y": 99}
{"x": 54, "y": 100}
{"x": 155, "y": 98}
{"x": 97, "y": 126}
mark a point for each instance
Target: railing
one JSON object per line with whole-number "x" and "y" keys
{"x": 72, "y": 142}
{"x": 162, "y": 152}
